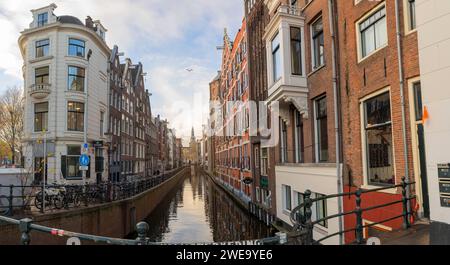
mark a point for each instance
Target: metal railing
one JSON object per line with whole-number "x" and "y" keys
{"x": 301, "y": 216}
{"x": 24, "y": 200}
{"x": 26, "y": 226}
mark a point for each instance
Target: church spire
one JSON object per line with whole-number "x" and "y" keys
{"x": 192, "y": 135}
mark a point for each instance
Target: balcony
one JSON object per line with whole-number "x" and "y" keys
{"x": 40, "y": 91}
{"x": 289, "y": 85}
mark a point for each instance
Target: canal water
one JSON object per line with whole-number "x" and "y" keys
{"x": 200, "y": 211}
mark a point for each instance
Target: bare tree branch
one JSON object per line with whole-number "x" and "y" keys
{"x": 11, "y": 120}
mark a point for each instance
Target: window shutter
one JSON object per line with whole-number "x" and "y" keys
{"x": 64, "y": 166}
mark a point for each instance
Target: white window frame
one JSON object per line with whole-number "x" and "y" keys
{"x": 284, "y": 193}
{"x": 407, "y": 18}
{"x": 366, "y": 184}
{"x": 358, "y": 32}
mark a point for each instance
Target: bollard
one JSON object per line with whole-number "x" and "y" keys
{"x": 24, "y": 228}
{"x": 358, "y": 212}
{"x": 142, "y": 230}
{"x": 406, "y": 223}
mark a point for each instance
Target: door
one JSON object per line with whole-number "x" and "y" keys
{"x": 422, "y": 160}
{"x": 423, "y": 170}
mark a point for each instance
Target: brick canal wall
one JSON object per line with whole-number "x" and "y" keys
{"x": 116, "y": 219}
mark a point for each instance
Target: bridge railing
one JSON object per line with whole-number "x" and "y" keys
{"x": 301, "y": 216}
{"x": 27, "y": 199}
{"x": 26, "y": 226}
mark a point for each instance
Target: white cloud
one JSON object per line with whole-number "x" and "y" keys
{"x": 166, "y": 36}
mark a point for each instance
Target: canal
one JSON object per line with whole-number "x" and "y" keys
{"x": 197, "y": 210}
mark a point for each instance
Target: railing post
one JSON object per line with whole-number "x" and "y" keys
{"x": 24, "y": 228}
{"x": 406, "y": 223}
{"x": 359, "y": 224}
{"x": 11, "y": 200}
{"x": 142, "y": 230}
{"x": 308, "y": 222}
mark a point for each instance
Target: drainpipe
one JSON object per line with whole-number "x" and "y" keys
{"x": 332, "y": 18}
{"x": 402, "y": 96}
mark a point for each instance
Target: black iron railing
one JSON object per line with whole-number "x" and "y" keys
{"x": 24, "y": 200}
{"x": 26, "y": 226}
{"x": 301, "y": 216}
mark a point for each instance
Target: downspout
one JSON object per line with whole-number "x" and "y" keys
{"x": 332, "y": 19}
{"x": 402, "y": 96}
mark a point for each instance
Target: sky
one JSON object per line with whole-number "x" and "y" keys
{"x": 168, "y": 37}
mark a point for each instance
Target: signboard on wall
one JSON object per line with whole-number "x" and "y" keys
{"x": 444, "y": 184}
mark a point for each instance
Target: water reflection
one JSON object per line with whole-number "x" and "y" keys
{"x": 199, "y": 211}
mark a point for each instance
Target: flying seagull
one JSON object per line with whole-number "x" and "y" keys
{"x": 189, "y": 69}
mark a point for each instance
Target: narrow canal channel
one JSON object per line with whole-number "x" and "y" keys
{"x": 200, "y": 211}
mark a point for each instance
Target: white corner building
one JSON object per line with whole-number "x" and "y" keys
{"x": 65, "y": 64}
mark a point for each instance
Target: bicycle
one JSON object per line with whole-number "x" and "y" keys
{"x": 4, "y": 205}
{"x": 53, "y": 196}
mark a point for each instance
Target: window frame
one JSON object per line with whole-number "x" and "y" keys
{"x": 82, "y": 47}
{"x": 359, "y": 36}
{"x": 38, "y": 46}
{"x": 365, "y": 158}
{"x": 298, "y": 42}
{"x": 42, "y": 22}
{"x": 76, "y": 76}
{"x": 77, "y": 116}
{"x": 318, "y": 128}
{"x": 274, "y": 53}
{"x": 40, "y": 114}
{"x": 317, "y": 56}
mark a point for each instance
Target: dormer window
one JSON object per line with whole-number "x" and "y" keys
{"x": 42, "y": 19}
{"x": 101, "y": 33}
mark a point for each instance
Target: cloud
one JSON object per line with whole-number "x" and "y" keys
{"x": 166, "y": 36}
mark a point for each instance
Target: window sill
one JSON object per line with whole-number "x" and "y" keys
{"x": 371, "y": 187}
{"x": 41, "y": 59}
{"x": 316, "y": 70}
{"x": 361, "y": 60}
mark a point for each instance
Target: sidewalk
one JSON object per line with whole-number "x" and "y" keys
{"x": 416, "y": 235}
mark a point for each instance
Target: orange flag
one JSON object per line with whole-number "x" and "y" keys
{"x": 425, "y": 115}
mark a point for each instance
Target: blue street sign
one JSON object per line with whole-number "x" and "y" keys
{"x": 84, "y": 160}
{"x": 85, "y": 146}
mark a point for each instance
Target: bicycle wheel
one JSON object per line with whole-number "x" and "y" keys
{"x": 76, "y": 201}
{"x": 38, "y": 200}
{"x": 4, "y": 205}
{"x": 58, "y": 202}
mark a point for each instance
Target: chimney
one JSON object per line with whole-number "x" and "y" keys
{"x": 89, "y": 22}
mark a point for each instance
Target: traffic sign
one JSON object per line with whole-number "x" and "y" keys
{"x": 84, "y": 168}
{"x": 84, "y": 160}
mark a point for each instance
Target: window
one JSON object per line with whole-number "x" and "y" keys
{"x": 75, "y": 116}
{"x": 296, "y": 51}
{"x": 76, "y": 47}
{"x": 102, "y": 118}
{"x": 42, "y": 48}
{"x": 299, "y": 140}
{"x": 276, "y": 58}
{"x": 264, "y": 161}
{"x": 418, "y": 101}
{"x": 319, "y": 209}
{"x": 283, "y": 141}
{"x": 42, "y": 19}
{"x": 299, "y": 198}
{"x": 41, "y": 117}
{"x": 412, "y": 14}
{"x": 41, "y": 75}
{"x": 76, "y": 78}
{"x": 286, "y": 191}
{"x": 318, "y": 43}
{"x": 70, "y": 163}
{"x": 373, "y": 32}
{"x": 258, "y": 195}
{"x": 322, "y": 129}
{"x": 378, "y": 138}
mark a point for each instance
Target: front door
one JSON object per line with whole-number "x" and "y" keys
{"x": 422, "y": 160}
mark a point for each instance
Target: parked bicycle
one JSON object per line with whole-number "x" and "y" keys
{"x": 53, "y": 197}
{"x": 71, "y": 196}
